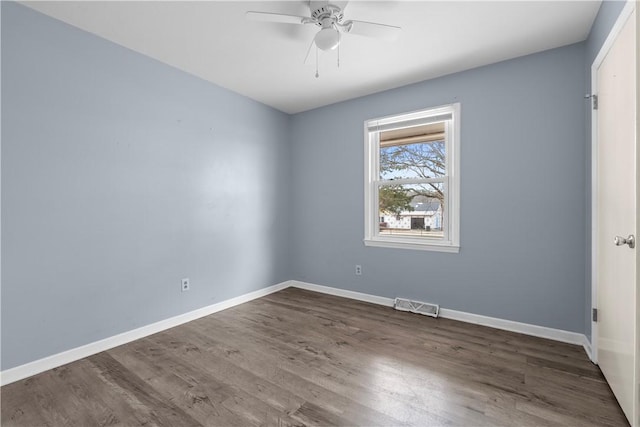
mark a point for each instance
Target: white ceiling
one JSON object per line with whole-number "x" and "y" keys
{"x": 264, "y": 61}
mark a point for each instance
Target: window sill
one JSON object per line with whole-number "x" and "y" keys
{"x": 397, "y": 244}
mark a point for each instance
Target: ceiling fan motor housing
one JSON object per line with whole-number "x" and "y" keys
{"x": 326, "y": 12}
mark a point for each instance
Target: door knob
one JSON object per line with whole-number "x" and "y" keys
{"x": 631, "y": 241}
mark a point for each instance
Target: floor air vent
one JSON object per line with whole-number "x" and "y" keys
{"x": 416, "y": 307}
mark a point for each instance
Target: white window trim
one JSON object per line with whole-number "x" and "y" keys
{"x": 452, "y": 184}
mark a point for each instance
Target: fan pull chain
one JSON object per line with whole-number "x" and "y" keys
{"x": 317, "y": 74}
{"x": 338, "y": 56}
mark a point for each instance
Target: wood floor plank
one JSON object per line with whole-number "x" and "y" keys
{"x": 454, "y": 402}
{"x": 297, "y": 358}
{"x": 463, "y": 331}
{"x": 283, "y": 365}
{"x": 160, "y": 411}
{"x": 229, "y": 380}
{"x": 488, "y": 373}
{"x": 20, "y": 404}
{"x": 78, "y": 384}
{"x": 188, "y": 387}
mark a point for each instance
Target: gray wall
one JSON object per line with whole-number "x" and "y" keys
{"x": 607, "y": 15}
{"x": 523, "y": 156}
{"x": 120, "y": 176}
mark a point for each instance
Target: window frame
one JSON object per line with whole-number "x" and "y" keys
{"x": 451, "y": 181}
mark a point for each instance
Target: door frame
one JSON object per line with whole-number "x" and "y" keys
{"x": 606, "y": 46}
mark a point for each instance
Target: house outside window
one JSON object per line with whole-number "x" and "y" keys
{"x": 412, "y": 185}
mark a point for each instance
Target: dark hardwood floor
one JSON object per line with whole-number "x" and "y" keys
{"x": 301, "y": 358}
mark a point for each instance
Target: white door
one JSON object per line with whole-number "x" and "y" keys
{"x": 616, "y": 217}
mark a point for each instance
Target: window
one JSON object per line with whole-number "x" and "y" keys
{"x": 412, "y": 164}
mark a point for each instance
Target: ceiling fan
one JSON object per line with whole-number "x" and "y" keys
{"x": 329, "y": 17}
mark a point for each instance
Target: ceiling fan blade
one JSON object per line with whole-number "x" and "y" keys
{"x": 276, "y": 17}
{"x": 342, "y": 4}
{"x": 372, "y": 29}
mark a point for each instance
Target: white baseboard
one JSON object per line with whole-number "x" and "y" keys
{"x": 28, "y": 369}
{"x": 374, "y": 299}
{"x": 493, "y": 322}
{"x": 510, "y": 325}
{"x": 586, "y": 344}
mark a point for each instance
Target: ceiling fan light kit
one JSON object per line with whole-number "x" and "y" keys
{"x": 327, "y": 39}
{"x": 329, "y": 17}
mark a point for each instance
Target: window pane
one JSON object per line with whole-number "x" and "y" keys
{"x": 412, "y": 210}
{"x": 417, "y": 152}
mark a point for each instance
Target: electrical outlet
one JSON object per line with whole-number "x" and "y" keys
{"x": 358, "y": 270}
{"x": 184, "y": 285}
